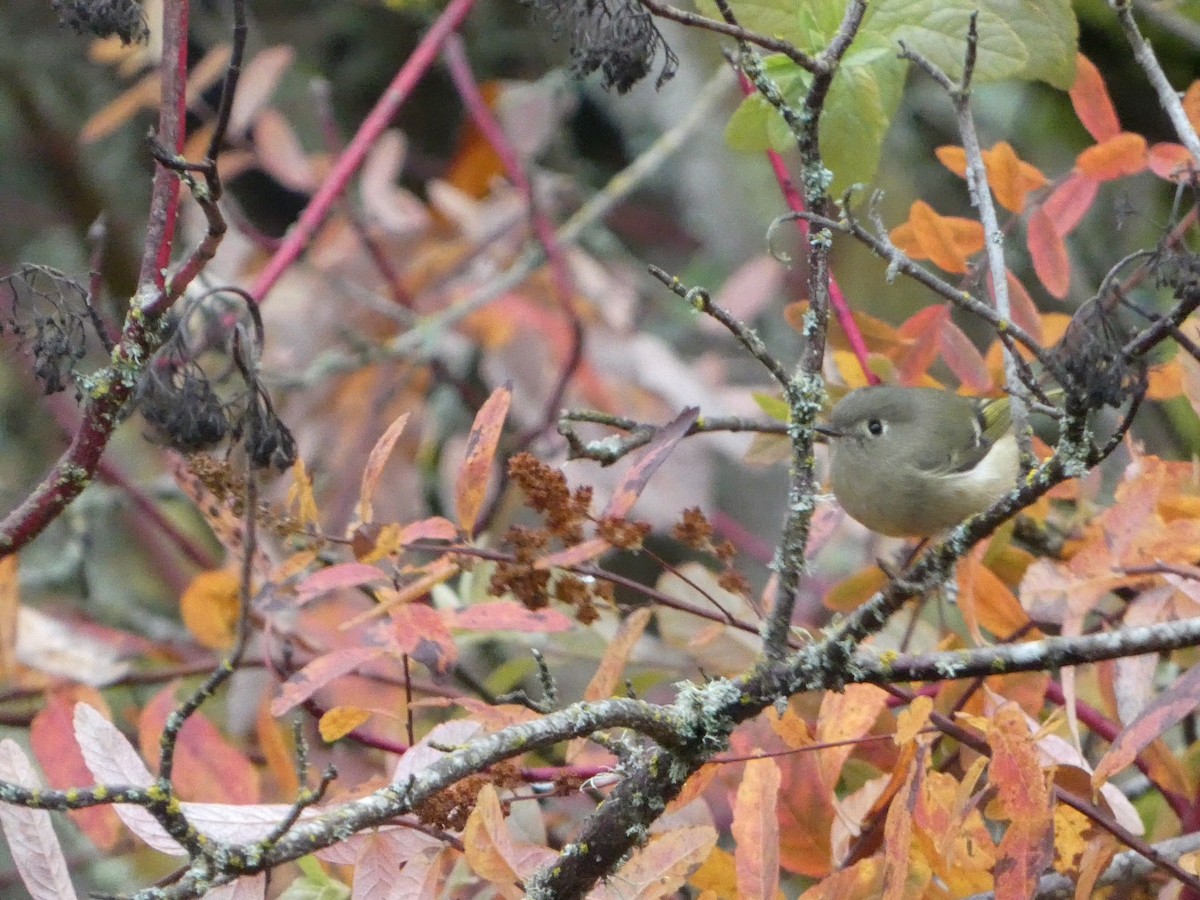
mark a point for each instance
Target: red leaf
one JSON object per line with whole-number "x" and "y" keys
{"x": 52, "y": 736}
{"x": 319, "y": 673}
{"x": 432, "y": 529}
{"x": 1024, "y": 311}
{"x": 655, "y": 455}
{"x": 1049, "y": 254}
{"x": 420, "y": 631}
{"x": 963, "y": 358}
{"x": 1117, "y": 157}
{"x": 1162, "y": 713}
{"x": 343, "y": 575}
{"x": 207, "y": 766}
{"x": 1170, "y": 161}
{"x": 472, "y": 483}
{"x": 924, "y": 329}
{"x": 509, "y": 615}
{"x": 1092, "y": 104}
{"x": 1070, "y": 201}
{"x": 1016, "y": 774}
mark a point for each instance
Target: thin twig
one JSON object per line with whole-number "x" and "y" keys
{"x": 981, "y": 198}
{"x": 770, "y": 44}
{"x": 377, "y": 121}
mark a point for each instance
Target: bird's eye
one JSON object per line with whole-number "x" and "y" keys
{"x": 875, "y": 427}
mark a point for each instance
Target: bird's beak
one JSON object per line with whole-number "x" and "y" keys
{"x": 827, "y": 432}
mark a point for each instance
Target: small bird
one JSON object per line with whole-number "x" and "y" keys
{"x": 912, "y": 462}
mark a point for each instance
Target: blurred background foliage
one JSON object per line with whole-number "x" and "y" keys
{"x": 703, "y": 216}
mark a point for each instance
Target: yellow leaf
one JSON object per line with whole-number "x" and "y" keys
{"x": 717, "y": 874}
{"x": 209, "y": 608}
{"x": 301, "y": 494}
{"x": 340, "y": 721}
{"x": 911, "y": 720}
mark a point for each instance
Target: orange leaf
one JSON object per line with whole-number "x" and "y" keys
{"x": 1092, "y": 104}
{"x": 904, "y": 236}
{"x": 790, "y": 727}
{"x": 911, "y": 720}
{"x": 209, "y": 608}
{"x": 1165, "y": 381}
{"x": 1005, "y": 177}
{"x": 375, "y": 463}
{"x": 337, "y": 577}
{"x": 278, "y": 749}
{"x": 612, "y": 664}
{"x": 953, "y": 158}
{"x": 301, "y": 495}
{"x": 717, "y": 876}
{"x": 844, "y": 717}
{"x": 946, "y": 241}
{"x": 660, "y": 868}
{"x": 476, "y": 164}
{"x": 986, "y": 601}
{"x": 208, "y": 768}
{"x": 488, "y": 844}
{"x": 481, "y": 451}
{"x": 755, "y": 830}
{"x": 10, "y": 605}
{"x": 863, "y": 879}
{"x": 806, "y": 814}
{"x": 570, "y": 557}
{"x": 1070, "y": 201}
{"x": 1191, "y": 104}
{"x": 1116, "y": 157}
{"x": 1049, "y": 254}
{"x": 853, "y": 591}
{"x": 904, "y": 865}
{"x": 318, "y": 673}
{"x": 695, "y": 786}
{"x": 340, "y": 721}
{"x": 1170, "y": 161}
{"x": 144, "y": 94}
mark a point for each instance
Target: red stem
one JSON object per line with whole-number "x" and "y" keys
{"x": 837, "y": 299}
{"x": 410, "y": 74}
{"x": 76, "y": 467}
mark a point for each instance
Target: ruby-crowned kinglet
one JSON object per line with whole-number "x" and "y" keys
{"x": 911, "y": 462}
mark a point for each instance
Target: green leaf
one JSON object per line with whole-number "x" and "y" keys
{"x": 1031, "y": 39}
{"x": 1027, "y": 39}
{"x": 775, "y": 407}
{"x": 314, "y": 884}
{"x": 862, "y": 100}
